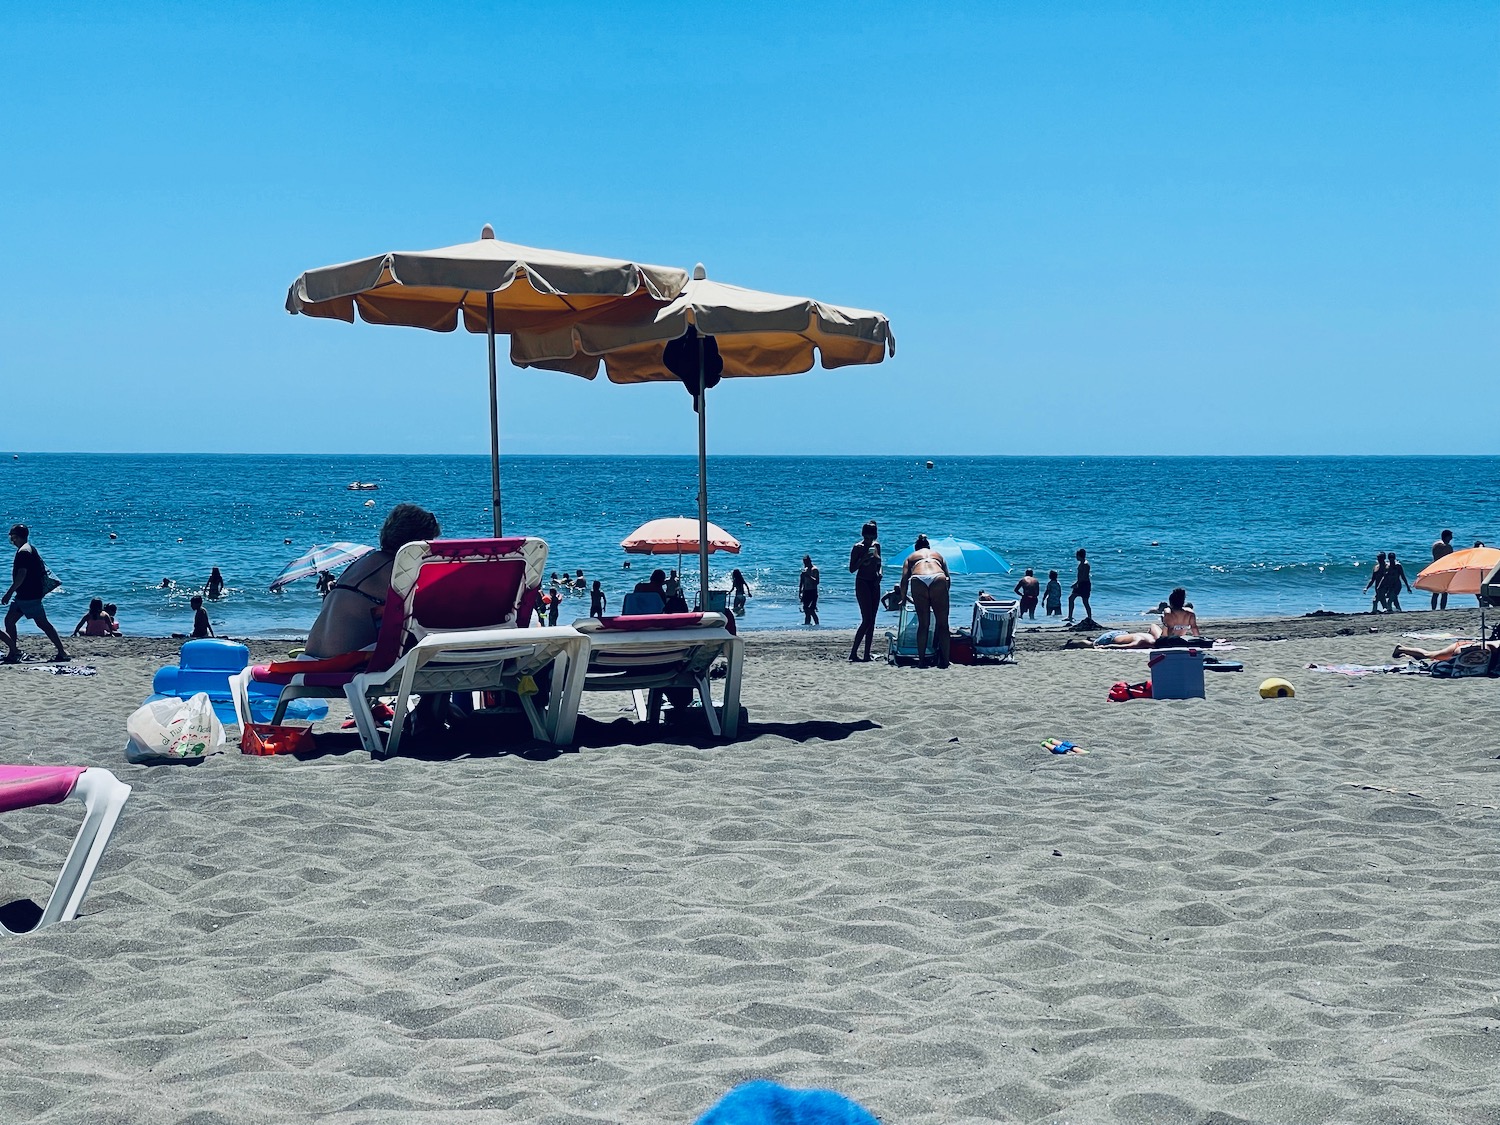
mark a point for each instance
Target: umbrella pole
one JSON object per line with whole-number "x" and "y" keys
{"x": 702, "y": 485}
{"x": 489, "y": 311}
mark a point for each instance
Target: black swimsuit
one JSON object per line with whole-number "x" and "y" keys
{"x": 356, "y": 590}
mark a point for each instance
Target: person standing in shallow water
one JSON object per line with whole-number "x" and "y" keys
{"x": 1028, "y": 589}
{"x": 1052, "y": 595}
{"x": 1442, "y": 547}
{"x": 1395, "y": 578}
{"x": 807, "y": 590}
{"x": 1376, "y": 582}
{"x": 866, "y": 566}
{"x": 214, "y": 587}
{"x": 1083, "y": 586}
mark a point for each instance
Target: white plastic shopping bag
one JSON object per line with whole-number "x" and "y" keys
{"x": 173, "y": 730}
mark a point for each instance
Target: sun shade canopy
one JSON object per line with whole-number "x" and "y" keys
{"x": 757, "y": 334}
{"x": 532, "y": 288}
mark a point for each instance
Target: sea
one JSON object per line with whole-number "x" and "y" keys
{"x": 1246, "y": 536}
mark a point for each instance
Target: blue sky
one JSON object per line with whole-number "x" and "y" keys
{"x": 1095, "y": 228}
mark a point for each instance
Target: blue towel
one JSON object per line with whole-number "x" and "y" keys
{"x": 765, "y": 1103}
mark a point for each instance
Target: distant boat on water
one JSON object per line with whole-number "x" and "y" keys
{"x": 362, "y": 486}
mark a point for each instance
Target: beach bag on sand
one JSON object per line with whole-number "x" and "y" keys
{"x": 173, "y": 730}
{"x": 1470, "y": 662}
{"x": 1120, "y": 691}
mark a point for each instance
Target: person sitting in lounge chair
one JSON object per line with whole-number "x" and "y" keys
{"x": 350, "y": 617}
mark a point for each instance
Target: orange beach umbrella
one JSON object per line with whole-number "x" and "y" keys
{"x": 1461, "y": 572}
{"x": 710, "y": 331}
{"x": 677, "y": 535}
{"x": 487, "y": 286}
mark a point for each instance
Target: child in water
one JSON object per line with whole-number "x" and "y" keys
{"x": 1052, "y": 595}
{"x": 596, "y": 599}
{"x": 201, "y": 627}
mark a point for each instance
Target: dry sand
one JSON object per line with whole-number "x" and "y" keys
{"x": 1230, "y": 910}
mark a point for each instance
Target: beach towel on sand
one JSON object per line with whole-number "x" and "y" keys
{"x": 1364, "y": 669}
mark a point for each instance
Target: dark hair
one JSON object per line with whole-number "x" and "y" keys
{"x": 807, "y": 559}
{"x": 1446, "y": 534}
{"x": 110, "y": 607}
{"x": 869, "y": 531}
{"x": 96, "y": 606}
{"x": 1052, "y": 574}
{"x": 658, "y": 575}
{"x": 407, "y": 523}
{"x": 735, "y": 573}
{"x": 1380, "y": 554}
{"x": 1177, "y": 597}
{"x": 1030, "y": 572}
{"x": 921, "y": 543}
{"x": 1080, "y": 553}
{"x": 21, "y": 529}
{"x": 195, "y": 602}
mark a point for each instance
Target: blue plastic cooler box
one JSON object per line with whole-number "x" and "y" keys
{"x": 1176, "y": 673}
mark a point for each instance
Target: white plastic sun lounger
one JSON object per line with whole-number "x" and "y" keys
{"x": 103, "y": 796}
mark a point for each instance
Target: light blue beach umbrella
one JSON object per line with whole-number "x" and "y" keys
{"x": 965, "y": 557}
{"x": 319, "y": 559}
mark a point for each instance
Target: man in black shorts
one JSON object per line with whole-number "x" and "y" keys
{"x": 1442, "y": 547}
{"x": 1083, "y": 586}
{"x": 29, "y": 585}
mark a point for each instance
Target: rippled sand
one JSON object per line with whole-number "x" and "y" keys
{"x": 1230, "y": 910}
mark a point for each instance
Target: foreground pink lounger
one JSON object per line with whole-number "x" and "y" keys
{"x": 103, "y": 796}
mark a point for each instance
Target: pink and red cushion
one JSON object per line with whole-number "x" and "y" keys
{"x": 627, "y": 624}
{"x": 22, "y": 787}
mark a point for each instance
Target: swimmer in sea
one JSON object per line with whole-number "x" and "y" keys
{"x": 214, "y": 587}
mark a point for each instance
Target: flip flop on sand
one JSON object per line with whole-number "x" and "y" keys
{"x": 1059, "y": 746}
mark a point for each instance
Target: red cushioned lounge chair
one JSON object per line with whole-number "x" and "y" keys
{"x": 457, "y": 618}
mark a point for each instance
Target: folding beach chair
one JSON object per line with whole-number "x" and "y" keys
{"x": 639, "y": 602}
{"x": 647, "y": 655}
{"x": 457, "y": 618}
{"x": 103, "y": 796}
{"x": 994, "y": 630}
{"x": 901, "y": 645}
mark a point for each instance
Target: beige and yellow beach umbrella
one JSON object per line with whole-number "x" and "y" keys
{"x": 710, "y": 331}
{"x": 494, "y": 287}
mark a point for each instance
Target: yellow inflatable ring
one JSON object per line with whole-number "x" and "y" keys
{"x": 1275, "y": 688}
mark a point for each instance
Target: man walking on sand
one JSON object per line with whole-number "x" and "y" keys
{"x": 1441, "y": 547}
{"x": 29, "y": 585}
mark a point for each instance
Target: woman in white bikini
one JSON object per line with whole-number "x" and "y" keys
{"x": 925, "y": 575}
{"x": 1179, "y": 623}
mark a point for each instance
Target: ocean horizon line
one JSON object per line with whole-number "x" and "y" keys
{"x": 920, "y": 457}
